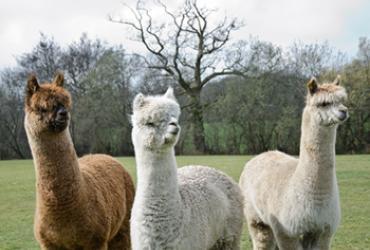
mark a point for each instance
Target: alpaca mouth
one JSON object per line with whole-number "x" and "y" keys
{"x": 170, "y": 138}
{"x": 59, "y": 125}
{"x": 331, "y": 123}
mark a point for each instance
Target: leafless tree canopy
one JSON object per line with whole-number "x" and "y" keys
{"x": 190, "y": 47}
{"x": 234, "y": 115}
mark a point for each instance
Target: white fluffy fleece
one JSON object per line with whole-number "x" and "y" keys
{"x": 294, "y": 203}
{"x": 193, "y": 208}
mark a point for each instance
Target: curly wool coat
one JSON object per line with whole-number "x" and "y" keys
{"x": 80, "y": 203}
{"x": 194, "y": 207}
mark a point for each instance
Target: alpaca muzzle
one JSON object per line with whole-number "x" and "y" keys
{"x": 60, "y": 121}
{"x": 61, "y": 114}
{"x": 343, "y": 115}
{"x": 173, "y": 130}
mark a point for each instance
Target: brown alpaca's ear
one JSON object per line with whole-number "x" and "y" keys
{"x": 59, "y": 79}
{"x": 139, "y": 101}
{"x": 337, "y": 80}
{"x": 312, "y": 85}
{"x": 32, "y": 85}
{"x": 169, "y": 94}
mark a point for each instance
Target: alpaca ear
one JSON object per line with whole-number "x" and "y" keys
{"x": 169, "y": 94}
{"x": 337, "y": 80}
{"x": 32, "y": 85}
{"x": 312, "y": 85}
{"x": 139, "y": 101}
{"x": 59, "y": 79}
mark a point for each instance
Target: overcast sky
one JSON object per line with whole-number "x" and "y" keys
{"x": 340, "y": 22}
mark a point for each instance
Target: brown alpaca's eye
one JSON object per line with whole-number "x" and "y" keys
{"x": 42, "y": 110}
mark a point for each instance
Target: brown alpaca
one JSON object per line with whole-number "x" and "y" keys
{"x": 80, "y": 203}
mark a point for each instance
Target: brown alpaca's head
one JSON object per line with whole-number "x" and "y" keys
{"x": 326, "y": 102}
{"x": 47, "y": 106}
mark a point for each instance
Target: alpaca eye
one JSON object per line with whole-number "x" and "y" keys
{"x": 42, "y": 110}
{"x": 324, "y": 104}
{"x": 150, "y": 124}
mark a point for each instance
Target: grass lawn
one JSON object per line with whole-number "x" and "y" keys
{"x": 17, "y": 198}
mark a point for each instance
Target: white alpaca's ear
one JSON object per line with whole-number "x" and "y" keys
{"x": 312, "y": 85}
{"x": 139, "y": 101}
{"x": 169, "y": 94}
{"x": 337, "y": 80}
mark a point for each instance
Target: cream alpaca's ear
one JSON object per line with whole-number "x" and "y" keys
{"x": 59, "y": 79}
{"x": 169, "y": 94}
{"x": 32, "y": 85}
{"x": 337, "y": 80}
{"x": 312, "y": 85}
{"x": 139, "y": 101}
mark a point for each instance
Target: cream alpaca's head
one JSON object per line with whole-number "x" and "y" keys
{"x": 325, "y": 102}
{"x": 155, "y": 122}
{"x": 47, "y": 106}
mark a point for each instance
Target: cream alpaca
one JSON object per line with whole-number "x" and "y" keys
{"x": 80, "y": 203}
{"x": 294, "y": 203}
{"x": 195, "y": 207}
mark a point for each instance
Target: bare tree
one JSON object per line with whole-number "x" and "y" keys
{"x": 189, "y": 48}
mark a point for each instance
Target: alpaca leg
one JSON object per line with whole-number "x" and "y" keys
{"x": 102, "y": 246}
{"x": 231, "y": 244}
{"x": 309, "y": 241}
{"x": 233, "y": 232}
{"x": 45, "y": 245}
{"x": 324, "y": 241}
{"x": 234, "y": 244}
{"x": 121, "y": 241}
{"x": 261, "y": 234}
{"x": 97, "y": 243}
{"x": 316, "y": 241}
{"x": 285, "y": 242}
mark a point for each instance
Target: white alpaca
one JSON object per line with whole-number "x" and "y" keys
{"x": 193, "y": 208}
{"x": 294, "y": 203}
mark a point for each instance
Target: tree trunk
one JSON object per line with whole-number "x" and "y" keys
{"x": 196, "y": 114}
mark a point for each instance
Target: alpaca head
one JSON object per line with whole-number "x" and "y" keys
{"x": 47, "y": 106}
{"x": 325, "y": 102}
{"x": 155, "y": 122}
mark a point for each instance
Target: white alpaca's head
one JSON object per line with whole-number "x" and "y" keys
{"x": 155, "y": 122}
{"x": 325, "y": 103}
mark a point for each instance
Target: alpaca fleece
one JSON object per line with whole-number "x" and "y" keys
{"x": 80, "y": 203}
{"x": 194, "y": 207}
{"x": 294, "y": 203}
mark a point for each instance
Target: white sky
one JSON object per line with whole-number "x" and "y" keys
{"x": 340, "y": 22}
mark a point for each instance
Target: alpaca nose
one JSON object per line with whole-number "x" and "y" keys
{"x": 61, "y": 113}
{"x": 173, "y": 128}
{"x": 343, "y": 114}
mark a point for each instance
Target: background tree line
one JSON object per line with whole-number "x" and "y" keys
{"x": 237, "y": 98}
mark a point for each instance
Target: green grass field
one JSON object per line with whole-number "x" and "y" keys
{"x": 17, "y": 198}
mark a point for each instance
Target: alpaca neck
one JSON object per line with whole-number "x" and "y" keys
{"x": 57, "y": 170}
{"x": 157, "y": 174}
{"x": 316, "y": 167}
